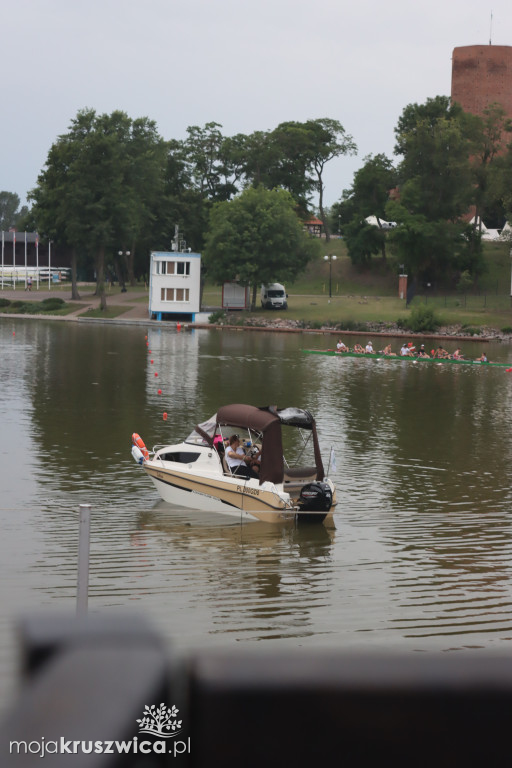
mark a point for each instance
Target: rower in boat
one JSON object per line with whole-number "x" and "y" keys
{"x": 340, "y": 346}
{"x": 482, "y": 359}
{"x": 457, "y": 355}
{"x": 441, "y": 353}
{"x": 388, "y": 352}
{"x": 369, "y": 348}
{"x": 358, "y": 349}
{"x": 422, "y": 352}
{"x": 406, "y": 350}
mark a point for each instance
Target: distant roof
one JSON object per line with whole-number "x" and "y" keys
{"x": 314, "y": 220}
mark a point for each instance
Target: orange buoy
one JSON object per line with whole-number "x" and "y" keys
{"x": 156, "y": 374}
{"x": 165, "y": 416}
{"x": 139, "y": 442}
{"x": 159, "y": 391}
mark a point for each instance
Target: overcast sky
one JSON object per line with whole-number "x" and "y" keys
{"x": 246, "y": 64}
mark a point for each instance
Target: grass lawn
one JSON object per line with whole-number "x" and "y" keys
{"x": 372, "y": 296}
{"x": 109, "y": 313}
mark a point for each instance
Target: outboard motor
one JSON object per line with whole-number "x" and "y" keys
{"x": 315, "y": 498}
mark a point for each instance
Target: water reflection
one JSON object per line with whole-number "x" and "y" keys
{"x": 419, "y": 557}
{"x": 266, "y": 580}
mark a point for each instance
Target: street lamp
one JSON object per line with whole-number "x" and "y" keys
{"x": 121, "y": 254}
{"x": 330, "y": 258}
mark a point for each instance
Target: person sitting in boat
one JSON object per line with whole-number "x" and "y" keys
{"x": 369, "y": 348}
{"x": 482, "y": 359}
{"x": 237, "y": 460}
{"x": 457, "y": 355}
{"x": 441, "y": 353}
{"x": 340, "y": 346}
{"x": 358, "y": 349}
{"x": 387, "y": 351}
{"x": 406, "y": 350}
{"x": 422, "y": 352}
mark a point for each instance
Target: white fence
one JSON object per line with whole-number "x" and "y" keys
{"x": 19, "y": 276}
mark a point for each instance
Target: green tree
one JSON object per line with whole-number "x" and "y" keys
{"x": 436, "y": 190}
{"x": 367, "y": 197}
{"x": 488, "y": 140}
{"x": 291, "y": 152}
{"x": 99, "y": 186}
{"x": 328, "y": 140}
{"x": 10, "y": 212}
{"x": 256, "y": 239}
{"x": 209, "y": 162}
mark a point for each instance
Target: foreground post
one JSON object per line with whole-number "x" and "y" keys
{"x": 82, "y": 591}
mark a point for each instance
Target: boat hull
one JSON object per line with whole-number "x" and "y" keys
{"x": 230, "y": 496}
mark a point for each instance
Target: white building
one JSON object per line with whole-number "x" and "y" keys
{"x": 174, "y": 285}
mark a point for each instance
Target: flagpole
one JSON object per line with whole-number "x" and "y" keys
{"x": 37, "y": 259}
{"x": 2, "y": 259}
{"x": 25, "y": 259}
{"x": 14, "y": 260}
{"x": 49, "y": 261}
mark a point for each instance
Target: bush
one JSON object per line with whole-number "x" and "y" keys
{"x": 4, "y": 302}
{"x": 506, "y": 329}
{"x": 54, "y": 301}
{"x": 351, "y": 325}
{"x": 17, "y": 303}
{"x": 421, "y": 320}
{"x": 471, "y": 331}
{"x": 465, "y": 282}
{"x": 217, "y": 317}
{"x": 51, "y": 305}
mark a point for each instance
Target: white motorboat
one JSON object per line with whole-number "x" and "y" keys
{"x": 194, "y": 473}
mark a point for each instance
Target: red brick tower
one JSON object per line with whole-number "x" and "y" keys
{"x": 481, "y": 75}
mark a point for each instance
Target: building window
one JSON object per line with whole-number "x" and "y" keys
{"x": 183, "y": 268}
{"x": 175, "y": 294}
{"x": 182, "y": 294}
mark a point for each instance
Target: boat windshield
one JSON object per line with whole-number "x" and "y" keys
{"x": 208, "y": 427}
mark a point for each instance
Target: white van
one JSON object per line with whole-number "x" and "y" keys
{"x": 274, "y": 296}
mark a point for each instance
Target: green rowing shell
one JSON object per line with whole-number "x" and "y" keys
{"x": 405, "y": 359}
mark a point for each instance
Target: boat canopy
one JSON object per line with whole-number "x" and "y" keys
{"x": 267, "y": 421}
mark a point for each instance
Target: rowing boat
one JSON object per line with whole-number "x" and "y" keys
{"x": 403, "y": 359}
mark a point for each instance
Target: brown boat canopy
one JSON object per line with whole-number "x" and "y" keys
{"x": 267, "y": 421}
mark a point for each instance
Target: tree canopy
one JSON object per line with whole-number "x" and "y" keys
{"x": 99, "y": 187}
{"x": 368, "y": 196}
{"x": 10, "y": 211}
{"x": 436, "y": 189}
{"x": 257, "y": 239}
{"x": 111, "y": 184}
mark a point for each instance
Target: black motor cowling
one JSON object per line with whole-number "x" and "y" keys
{"x": 315, "y": 497}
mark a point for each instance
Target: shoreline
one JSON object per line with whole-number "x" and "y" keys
{"x": 271, "y": 328}
{"x": 135, "y": 314}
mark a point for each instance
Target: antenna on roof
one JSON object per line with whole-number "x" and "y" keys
{"x": 490, "y": 32}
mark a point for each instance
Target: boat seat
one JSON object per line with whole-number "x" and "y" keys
{"x": 295, "y": 478}
{"x": 225, "y": 467}
{"x": 299, "y": 474}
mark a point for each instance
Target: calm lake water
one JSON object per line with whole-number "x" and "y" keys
{"x": 419, "y": 556}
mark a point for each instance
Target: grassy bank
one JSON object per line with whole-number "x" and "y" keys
{"x": 371, "y": 296}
